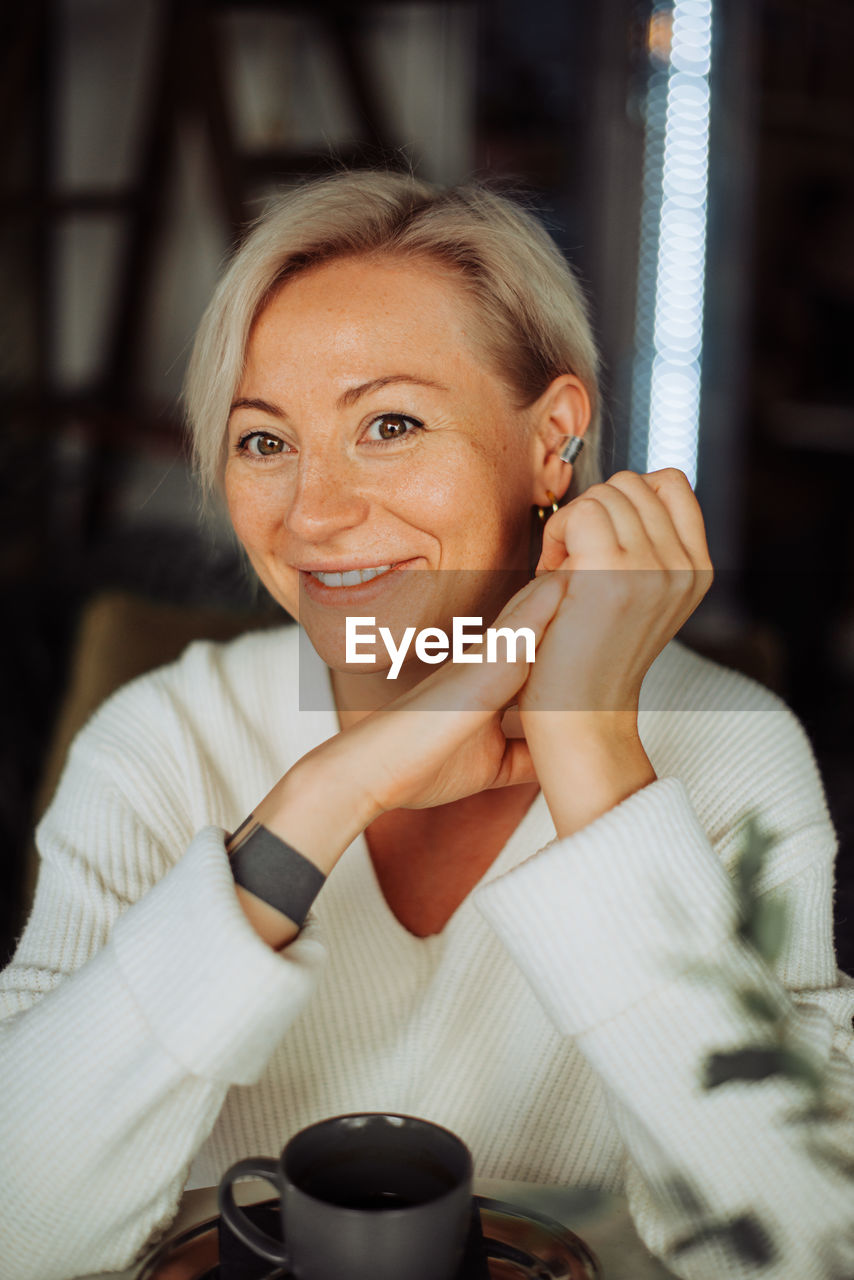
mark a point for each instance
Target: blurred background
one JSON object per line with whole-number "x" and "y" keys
{"x": 694, "y": 159}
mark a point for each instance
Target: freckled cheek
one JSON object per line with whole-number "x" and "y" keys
{"x": 458, "y": 504}
{"x": 439, "y": 505}
{"x": 258, "y": 520}
{"x": 256, "y": 514}
{"x": 430, "y": 496}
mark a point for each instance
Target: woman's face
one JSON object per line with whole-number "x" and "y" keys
{"x": 369, "y": 438}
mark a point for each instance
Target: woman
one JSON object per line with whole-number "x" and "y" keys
{"x": 384, "y": 386}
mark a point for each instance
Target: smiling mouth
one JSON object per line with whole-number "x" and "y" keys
{"x": 352, "y": 577}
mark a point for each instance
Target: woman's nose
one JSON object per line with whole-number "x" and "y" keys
{"x": 328, "y": 499}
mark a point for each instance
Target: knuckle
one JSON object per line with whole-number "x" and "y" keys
{"x": 620, "y": 589}
{"x": 680, "y": 567}
{"x": 670, "y": 476}
{"x": 680, "y": 582}
{"x": 589, "y": 501}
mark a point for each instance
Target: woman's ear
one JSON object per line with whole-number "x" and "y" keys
{"x": 562, "y": 410}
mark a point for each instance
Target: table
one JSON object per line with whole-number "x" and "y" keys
{"x": 602, "y": 1220}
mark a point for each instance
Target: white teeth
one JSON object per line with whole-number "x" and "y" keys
{"x": 366, "y": 574}
{"x": 351, "y": 577}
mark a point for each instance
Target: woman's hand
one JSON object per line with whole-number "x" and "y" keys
{"x": 443, "y": 739}
{"x": 634, "y": 558}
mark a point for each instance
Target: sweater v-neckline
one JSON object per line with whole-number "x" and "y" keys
{"x": 531, "y": 832}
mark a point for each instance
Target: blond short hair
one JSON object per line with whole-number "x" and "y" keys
{"x": 535, "y": 317}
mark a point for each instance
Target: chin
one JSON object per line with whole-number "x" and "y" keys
{"x": 329, "y": 644}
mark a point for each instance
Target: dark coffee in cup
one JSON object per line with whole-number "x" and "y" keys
{"x": 373, "y": 1196}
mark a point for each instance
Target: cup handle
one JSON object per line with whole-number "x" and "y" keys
{"x": 253, "y": 1237}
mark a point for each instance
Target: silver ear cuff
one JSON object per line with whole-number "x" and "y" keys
{"x": 571, "y": 448}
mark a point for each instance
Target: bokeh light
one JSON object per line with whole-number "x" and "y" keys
{"x": 672, "y": 260}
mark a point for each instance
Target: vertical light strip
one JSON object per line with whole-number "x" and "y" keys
{"x": 672, "y": 260}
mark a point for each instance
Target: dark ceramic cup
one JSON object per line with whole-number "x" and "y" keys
{"x": 366, "y": 1197}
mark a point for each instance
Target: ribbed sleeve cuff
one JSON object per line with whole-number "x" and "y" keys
{"x": 217, "y": 998}
{"x": 599, "y": 921}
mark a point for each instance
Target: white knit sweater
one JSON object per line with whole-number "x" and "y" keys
{"x": 558, "y": 1023}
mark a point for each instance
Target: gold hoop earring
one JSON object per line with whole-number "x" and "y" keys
{"x": 553, "y": 500}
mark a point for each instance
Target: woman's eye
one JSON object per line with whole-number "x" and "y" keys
{"x": 260, "y": 445}
{"x": 392, "y": 426}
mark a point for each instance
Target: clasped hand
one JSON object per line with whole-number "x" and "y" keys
{"x": 622, "y": 567}
{"x": 634, "y": 556}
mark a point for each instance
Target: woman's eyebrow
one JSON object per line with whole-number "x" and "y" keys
{"x": 352, "y": 394}
{"x": 264, "y": 406}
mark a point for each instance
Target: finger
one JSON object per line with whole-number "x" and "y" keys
{"x": 537, "y": 602}
{"x": 658, "y": 523}
{"x": 511, "y": 722}
{"x": 674, "y": 491}
{"x": 629, "y": 526}
{"x": 489, "y": 686}
{"x": 516, "y": 766}
{"x": 584, "y": 528}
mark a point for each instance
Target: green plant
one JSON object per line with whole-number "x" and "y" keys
{"x": 761, "y": 927}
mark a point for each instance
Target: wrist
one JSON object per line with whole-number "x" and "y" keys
{"x": 586, "y": 763}
{"x": 298, "y": 811}
{"x": 317, "y": 808}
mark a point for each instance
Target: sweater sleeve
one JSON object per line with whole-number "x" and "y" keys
{"x": 626, "y": 933}
{"x": 139, "y": 994}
